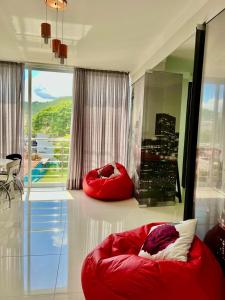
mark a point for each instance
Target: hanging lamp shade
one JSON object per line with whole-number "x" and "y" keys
{"x": 55, "y": 46}
{"x": 62, "y": 53}
{"x": 58, "y": 48}
{"x": 46, "y": 32}
{"x": 59, "y": 4}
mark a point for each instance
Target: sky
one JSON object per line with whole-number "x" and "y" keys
{"x": 210, "y": 95}
{"x": 47, "y": 86}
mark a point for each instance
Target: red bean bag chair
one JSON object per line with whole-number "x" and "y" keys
{"x": 119, "y": 187}
{"x": 215, "y": 240}
{"x": 113, "y": 271}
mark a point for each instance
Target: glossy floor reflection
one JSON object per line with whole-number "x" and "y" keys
{"x": 209, "y": 205}
{"x": 45, "y": 238}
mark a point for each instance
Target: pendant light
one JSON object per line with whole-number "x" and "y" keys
{"x": 46, "y": 27}
{"x": 62, "y": 53}
{"x": 56, "y": 42}
{"x": 58, "y": 48}
{"x": 60, "y": 4}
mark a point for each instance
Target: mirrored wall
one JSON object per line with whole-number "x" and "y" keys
{"x": 160, "y": 101}
{"x": 210, "y": 161}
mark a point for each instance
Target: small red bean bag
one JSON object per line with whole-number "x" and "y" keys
{"x": 114, "y": 271}
{"x": 119, "y": 187}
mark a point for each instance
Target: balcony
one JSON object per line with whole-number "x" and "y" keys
{"x": 47, "y": 160}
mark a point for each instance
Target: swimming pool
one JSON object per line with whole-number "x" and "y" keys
{"x": 38, "y": 172}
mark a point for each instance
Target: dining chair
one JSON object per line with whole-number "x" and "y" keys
{"x": 10, "y": 178}
{"x": 15, "y": 156}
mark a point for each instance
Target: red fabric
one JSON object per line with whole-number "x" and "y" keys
{"x": 215, "y": 240}
{"x": 113, "y": 271}
{"x": 106, "y": 171}
{"x": 119, "y": 187}
{"x": 160, "y": 238}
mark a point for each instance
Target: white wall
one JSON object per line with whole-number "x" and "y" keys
{"x": 168, "y": 42}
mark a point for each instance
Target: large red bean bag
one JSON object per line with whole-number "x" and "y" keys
{"x": 114, "y": 271}
{"x": 215, "y": 240}
{"x": 119, "y": 187}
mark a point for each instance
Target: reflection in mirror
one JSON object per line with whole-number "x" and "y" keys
{"x": 44, "y": 231}
{"x": 210, "y": 184}
{"x": 160, "y": 101}
{"x": 181, "y": 61}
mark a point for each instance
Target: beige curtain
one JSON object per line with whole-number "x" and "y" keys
{"x": 99, "y": 131}
{"x": 11, "y": 108}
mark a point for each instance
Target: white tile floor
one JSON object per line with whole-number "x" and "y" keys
{"x": 45, "y": 238}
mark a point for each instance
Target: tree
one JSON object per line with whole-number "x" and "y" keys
{"x": 54, "y": 120}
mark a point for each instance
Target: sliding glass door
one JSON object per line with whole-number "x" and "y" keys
{"x": 48, "y": 104}
{"x": 210, "y": 162}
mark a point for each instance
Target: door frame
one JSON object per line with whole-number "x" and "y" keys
{"x": 39, "y": 67}
{"x": 193, "y": 122}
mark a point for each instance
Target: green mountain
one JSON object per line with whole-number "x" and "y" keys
{"x": 37, "y": 106}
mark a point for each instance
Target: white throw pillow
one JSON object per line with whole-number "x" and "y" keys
{"x": 180, "y": 248}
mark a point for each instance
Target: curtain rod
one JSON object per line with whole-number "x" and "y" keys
{"x": 41, "y": 65}
{"x": 60, "y": 67}
{"x": 9, "y": 62}
{"x": 103, "y": 70}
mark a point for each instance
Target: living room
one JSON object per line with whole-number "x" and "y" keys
{"x": 111, "y": 150}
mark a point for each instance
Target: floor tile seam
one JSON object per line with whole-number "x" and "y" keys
{"x": 68, "y": 294}
{"x": 26, "y": 296}
{"x": 29, "y": 255}
{"x": 44, "y": 231}
{"x": 57, "y": 274}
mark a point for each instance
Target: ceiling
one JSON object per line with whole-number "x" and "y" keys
{"x": 186, "y": 50}
{"x": 103, "y": 34}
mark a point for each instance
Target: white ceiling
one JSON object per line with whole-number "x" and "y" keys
{"x": 186, "y": 50}
{"x": 103, "y": 34}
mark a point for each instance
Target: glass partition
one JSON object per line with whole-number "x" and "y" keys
{"x": 157, "y": 136}
{"x": 210, "y": 168}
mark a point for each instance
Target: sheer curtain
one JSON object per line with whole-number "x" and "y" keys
{"x": 210, "y": 167}
{"x": 11, "y": 108}
{"x": 99, "y": 131}
{"x": 209, "y": 198}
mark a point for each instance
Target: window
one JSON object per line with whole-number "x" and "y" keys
{"x": 47, "y": 118}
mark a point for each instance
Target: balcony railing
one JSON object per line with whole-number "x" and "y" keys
{"x": 48, "y": 160}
